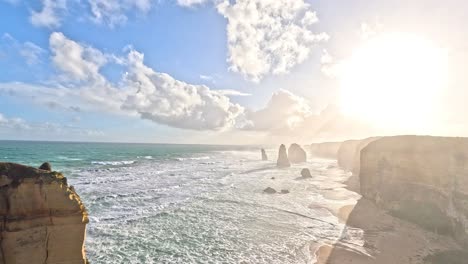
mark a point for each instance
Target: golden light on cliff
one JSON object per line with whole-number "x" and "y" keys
{"x": 394, "y": 80}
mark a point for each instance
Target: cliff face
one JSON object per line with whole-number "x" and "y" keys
{"x": 43, "y": 219}
{"x": 328, "y": 150}
{"x": 346, "y": 154}
{"x": 420, "y": 179}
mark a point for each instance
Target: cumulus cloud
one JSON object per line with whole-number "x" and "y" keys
{"x": 141, "y": 91}
{"x": 284, "y": 112}
{"x": 77, "y": 61}
{"x": 268, "y": 36}
{"x": 161, "y": 98}
{"x": 49, "y": 15}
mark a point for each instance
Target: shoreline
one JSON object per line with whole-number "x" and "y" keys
{"x": 387, "y": 239}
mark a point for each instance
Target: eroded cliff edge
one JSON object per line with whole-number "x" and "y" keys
{"x": 43, "y": 219}
{"x": 421, "y": 179}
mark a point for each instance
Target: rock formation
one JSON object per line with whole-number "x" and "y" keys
{"x": 346, "y": 154}
{"x": 44, "y": 219}
{"x": 46, "y": 166}
{"x": 269, "y": 190}
{"x": 264, "y": 155}
{"x": 305, "y": 173}
{"x": 296, "y": 154}
{"x": 421, "y": 179}
{"x": 284, "y": 191}
{"x": 283, "y": 160}
{"x": 326, "y": 150}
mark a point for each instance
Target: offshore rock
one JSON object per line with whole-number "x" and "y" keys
{"x": 296, "y": 154}
{"x": 46, "y": 166}
{"x": 264, "y": 155}
{"x": 283, "y": 160}
{"x": 305, "y": 173}
{"x": 44, "y": 219}
{"x": 269, "y": 190}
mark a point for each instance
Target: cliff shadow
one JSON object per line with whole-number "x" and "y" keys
{"x": 387, "y": 239}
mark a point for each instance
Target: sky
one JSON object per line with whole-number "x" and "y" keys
{"x": 231, "y": 72}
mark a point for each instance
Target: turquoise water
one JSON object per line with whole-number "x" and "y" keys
{"x": 152, "y": 203}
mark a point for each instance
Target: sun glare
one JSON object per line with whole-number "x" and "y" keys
{"x": 394, "y": 80}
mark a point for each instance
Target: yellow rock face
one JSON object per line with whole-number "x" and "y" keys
{"x": 44, "y": 219}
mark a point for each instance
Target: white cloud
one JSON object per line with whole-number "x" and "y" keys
{"x": 230, "y": 92}
{"x": 78, "y": 62}
{"x": 47, "y": 128}
{"x": 28, "y": 50}
{"x": 49, "y": 16}
{"x": 284, "y": 112}
{"x": 268, "y": 36}
{"x": 190, "y": 3}
{"x": 31, "y": 52}
{"x": 161, "y": 98}
{"x": 206, "y": 77}
{"x": 113, "y": 12}
{"x": 141, "y": 92}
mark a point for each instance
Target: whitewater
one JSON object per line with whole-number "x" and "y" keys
{"x": 198, "y": 204}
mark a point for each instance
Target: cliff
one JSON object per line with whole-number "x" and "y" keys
{"x": 421, "y": 179}
{"x": 43, "y": 219}
{"x": 327, "y": 150}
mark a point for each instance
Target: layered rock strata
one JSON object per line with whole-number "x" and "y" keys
{"x": 43, "y": 218}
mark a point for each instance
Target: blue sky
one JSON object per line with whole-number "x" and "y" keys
{"x": 192, "y": 71}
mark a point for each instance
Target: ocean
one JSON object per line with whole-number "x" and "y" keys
{"x": 160, "y": 203}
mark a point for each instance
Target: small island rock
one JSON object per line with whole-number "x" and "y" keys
{"x": 269, "y": 190}
{"x": 46, "y": 166}
{"x": 305, "y": 173}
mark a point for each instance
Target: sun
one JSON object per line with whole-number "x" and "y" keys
{"x": 393, "y": 80}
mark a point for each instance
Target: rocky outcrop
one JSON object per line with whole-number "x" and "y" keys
{"x": 421, "y": 179}
{"x": 43, "y": 219}
{"x": 283, "y": 160}
{"x": 269, "y": 190}
{"x": 349, "y": 154}
{"x": 296, "y": 154}
{"x": 326, "y": 150}
{"x": 305, "y": 173}
{"x": 46, "y": 166}
{"x": 264, "y": 155}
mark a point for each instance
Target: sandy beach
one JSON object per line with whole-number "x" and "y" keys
{"x": 388, "y": 239}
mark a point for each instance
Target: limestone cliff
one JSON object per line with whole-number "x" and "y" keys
{"x": 421, "y": 179}
{"x": 296, "y": 154}
{"x": 327, "y": 150}
{"x": 43, "y": 219}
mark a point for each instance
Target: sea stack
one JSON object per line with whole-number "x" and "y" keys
{"x": 46, "y": 166}
{"x": 44, "y": 220}
{"x": 264, "y": 155}
{"x": 283, "y": 160}
{"x": 296, "y": 154}
{"x": 305, "y": 173}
